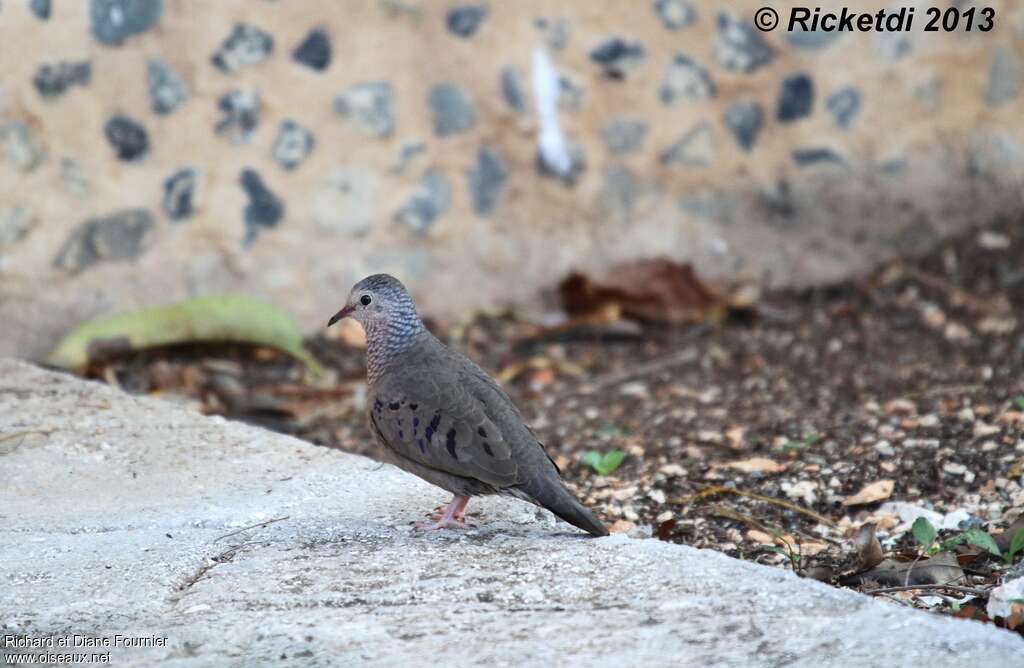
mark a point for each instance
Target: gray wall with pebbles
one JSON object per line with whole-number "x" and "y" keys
{"x": 153, "y": 150}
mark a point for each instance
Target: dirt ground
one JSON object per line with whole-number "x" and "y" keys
{"x": 773, "y": 435}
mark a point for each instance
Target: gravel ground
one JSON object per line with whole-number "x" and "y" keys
{"x": 772, "y": 435}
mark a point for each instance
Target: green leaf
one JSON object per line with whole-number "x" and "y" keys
{"x": 1016, "y": 545}
{"x": 1019, "y": 402}
{"x": 603, "y": 464}
{"x": 924, "y": 532}
{"x": 980, "y": 538}
{"x": 233, "y": 318}
{"x": 592, "y": 459}
{"x": 611, "y": 461}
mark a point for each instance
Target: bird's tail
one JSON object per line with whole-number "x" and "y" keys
{"x": 552, "y": 495}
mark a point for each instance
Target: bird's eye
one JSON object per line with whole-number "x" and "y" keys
{"x": 365, "y": 300}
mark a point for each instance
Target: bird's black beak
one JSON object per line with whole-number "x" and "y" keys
{"x": 343, "y": 313}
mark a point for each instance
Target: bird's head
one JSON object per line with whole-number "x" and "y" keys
{"x": 378, "y": 300}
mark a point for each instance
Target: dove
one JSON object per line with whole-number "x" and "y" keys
{"x": 439, "y": 416}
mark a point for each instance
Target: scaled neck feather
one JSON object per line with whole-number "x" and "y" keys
{"x": 387, "y": 339}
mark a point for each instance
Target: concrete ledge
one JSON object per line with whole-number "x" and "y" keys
{"x": 113, "y": 508}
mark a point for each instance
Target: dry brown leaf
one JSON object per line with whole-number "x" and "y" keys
{"x": 754, "y": 465}
{"x": 656, "y": 290}
{"x": 879, "y": 490}
{"x": 812, "y": 548}
{"x": 735, "y": 437}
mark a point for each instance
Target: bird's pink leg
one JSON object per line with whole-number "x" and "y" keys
{"x": 453, "y": 516}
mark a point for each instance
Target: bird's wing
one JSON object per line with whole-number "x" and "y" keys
{"x": 435, "y": 417}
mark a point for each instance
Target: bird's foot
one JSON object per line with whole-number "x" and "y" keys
{"x": 450, "y": 523}
{"x": 453, "y": 515}
{"x": 438, "y": 514}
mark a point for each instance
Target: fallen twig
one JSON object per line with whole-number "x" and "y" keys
{"x": 962, "y": 590}
{"x": 711, "y": 491}
{"x": 253, "y": 526}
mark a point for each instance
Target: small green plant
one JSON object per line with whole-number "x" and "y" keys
{"x": 604, "y": 464}
{"x": 1016, "y": 545}
{"x": 925, "y": 534}
{"x": 800, "y": 444}
{"x": 1019, "y": 402}
{"x": 975, "y": 537}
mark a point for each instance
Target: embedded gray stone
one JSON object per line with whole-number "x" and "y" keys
{"x": 744, "y": 120}
{"x": 167, "y": 90}
{"x": 23, "y": 149}
{"x": 41, "y": 8}
{"x": 452, "y": 110}
{"x": 740, "y": 47}
{"x": 113, "y": 21}
{"x": 570, "y": 94}
{"x": 427, "y": 203}
{"x": 796, "y": 98}
{"x": 844, "y": 105}
{"x": 263, "y": 210}
{"x": 180, "y": 194}
{"x": 129, "y": 139}
{"x": 315, "y": 51}
{"x": 346, "y": 202}
{"x": 893, "y": 46}
{"x": 292, "y": 144}
{"x": 625, "y": 135}
{"x": 928, "y": 92}
{"x": 486, "y": 181}
{"x": 246, "y": 45}
{"x": 618, "y": 57}
{"x": 369, "y": 106}
{"x": 512, "y": 89}
{"x": 408, "y": 151}
{"x": 554, "y": 31}
{"x": 685, "y": 80}
{"x": 694, "y": 149}
{"x": 464, "y": 21}
{"x": 15, "y": 224}
{"x": 806, "y": 157}
{"x": 123, "y": 235}
{"x": 675, "y": 14}
{"x": 812, "y": 40}
{"x": 1004, "y": 76}
{"x": 779, "y": 204}
{"x": 73, "y": 177}
{"x": 53, "y": 80}
{"x": 240, "y": 111}
{"x": 710, "y": 205}
{"x": 995, "y": 155}
{"x": 618, "y": 193}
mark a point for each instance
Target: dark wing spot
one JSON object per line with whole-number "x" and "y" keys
{"x": 422, "y": 444}
{"x": 434, "y": 423}
{"x": 414, "y": 406}
{"x": 393, "y": 405}
{"x": 450, "y": 443}
{"x": 415, "y": 422}
{"x": 482, "y": 432}
{"x": 487, "y": 449}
